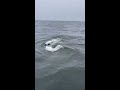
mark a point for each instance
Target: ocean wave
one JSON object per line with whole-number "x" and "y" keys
{"x": 64, "y": 79}
{"x": 63, "y": 69}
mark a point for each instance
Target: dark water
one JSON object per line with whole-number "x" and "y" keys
{"x": 65, "y": 68}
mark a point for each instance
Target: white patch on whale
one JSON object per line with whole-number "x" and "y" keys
{"x": 49, "y": 45}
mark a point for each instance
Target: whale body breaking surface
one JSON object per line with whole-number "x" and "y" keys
{"x": 49, "y": 45}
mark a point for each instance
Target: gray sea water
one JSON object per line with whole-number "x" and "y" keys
{"x": 65, "y": 68}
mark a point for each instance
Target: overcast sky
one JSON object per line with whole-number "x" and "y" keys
{"x": 73, "y": 10}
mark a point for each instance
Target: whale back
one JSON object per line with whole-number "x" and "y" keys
{"x": 49, "y": 48}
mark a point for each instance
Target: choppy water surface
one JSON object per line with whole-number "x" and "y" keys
{"x": 65, "y": 68}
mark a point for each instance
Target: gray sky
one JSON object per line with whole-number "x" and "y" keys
{"x": 73, "y": 10}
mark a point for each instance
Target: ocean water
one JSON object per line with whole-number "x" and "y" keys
{"x": 63, "y": 69}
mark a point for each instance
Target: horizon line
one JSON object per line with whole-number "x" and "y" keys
{"x": 60, "y": 20}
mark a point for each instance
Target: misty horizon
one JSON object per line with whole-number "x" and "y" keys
{"x": 60, "y": 10}
{"x": 61, "y": 20}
